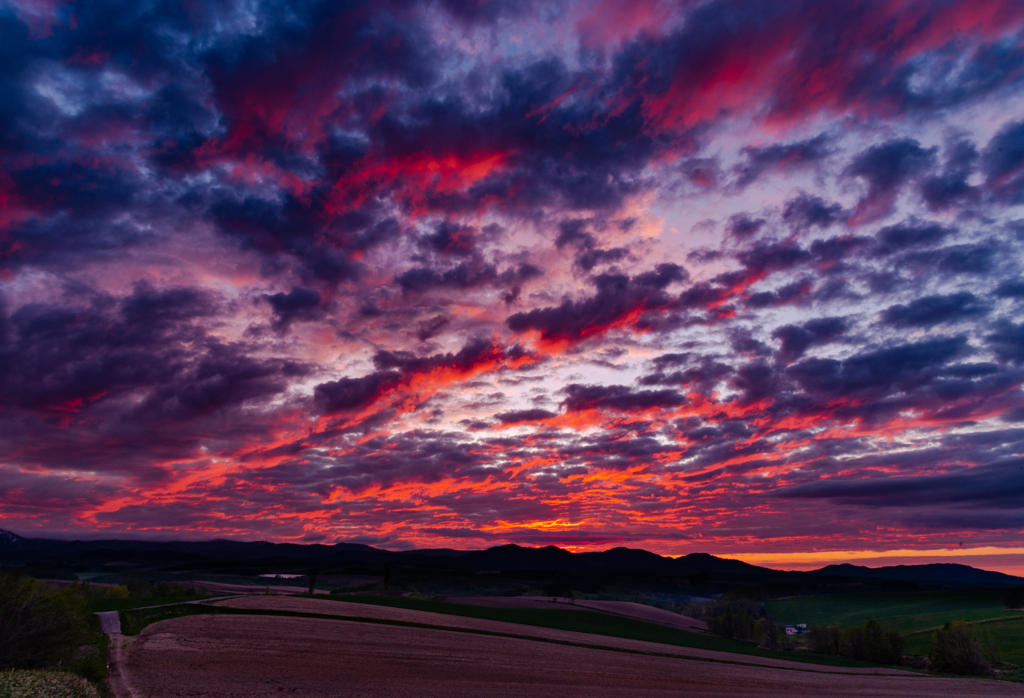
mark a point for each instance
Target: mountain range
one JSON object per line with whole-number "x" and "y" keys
{"x": 699, "y": 568}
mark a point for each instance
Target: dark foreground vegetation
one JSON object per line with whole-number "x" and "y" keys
{"x": 980, "y": 646}
{"x": 42, "y": 627}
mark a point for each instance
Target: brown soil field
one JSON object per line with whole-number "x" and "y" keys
{"x": 620, "y": 608}
{"x": 359, "y": 610}
{"x": 264, "y": 656}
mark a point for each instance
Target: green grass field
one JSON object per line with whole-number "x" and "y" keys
{"x": 100, "y": 605}
{"x": 903, "y": 612}
{"x": 597, "y": 623}
{"x": 133, "y": 621}
{"x": 1007, "y": 637}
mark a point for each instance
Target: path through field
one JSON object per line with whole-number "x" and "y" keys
{"x": 260, "y": 656}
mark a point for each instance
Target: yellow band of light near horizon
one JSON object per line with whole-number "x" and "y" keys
{"x": 848, "y": 555}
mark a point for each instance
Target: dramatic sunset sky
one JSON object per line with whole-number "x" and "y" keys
{"x": 739, "y": 277}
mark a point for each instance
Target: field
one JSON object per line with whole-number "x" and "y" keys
{"x": 608, "y": 630}
{"x": 100, "y": 604}
{"x": 905, "y": 613}
{"x": 586, "y": 621}
{"x": 260, "y": 656}
{"x": 1006, "y": 637}
{"x": 621, "y": 608}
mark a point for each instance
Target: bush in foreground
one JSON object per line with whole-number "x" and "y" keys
{"x": 957, "y": 649}
{"x": 44, "y": 684}
{"x": 41, "y": 626}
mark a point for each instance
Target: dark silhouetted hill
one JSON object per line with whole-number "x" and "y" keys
{"x": 936, "y": 573}
{"x": 700, "y": 570}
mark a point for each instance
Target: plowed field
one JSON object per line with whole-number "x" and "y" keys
{"x": 359, "y": 610}
{"x": 260, "y": 656}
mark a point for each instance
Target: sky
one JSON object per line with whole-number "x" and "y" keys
{"x": 730, "y": 277}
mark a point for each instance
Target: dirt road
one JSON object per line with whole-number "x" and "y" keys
{"x": 259, "y": 657}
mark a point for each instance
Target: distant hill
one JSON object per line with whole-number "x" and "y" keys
{"x": 699, "y": 569}
{"x": 11, "y": 542}
{"x": 935, "y": 573}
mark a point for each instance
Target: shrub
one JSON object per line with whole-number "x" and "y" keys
{"x": 851, "y": 643}
{"x": 116, "y": 592}
{"x": 957, "y": 649}
{"x": 825, "y": 640}
{"x": 40, "y": 626}
{"x": 44, "y": 684}
{"x": 896, "y": 647}
{"x": 882, "y": 648}
{"x": 768, "y": 635}
{"x": 734, "y": 615}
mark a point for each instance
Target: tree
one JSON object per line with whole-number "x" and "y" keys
{"x": 851, "y": 644}
{"x": 1014, "y": 598}
{"x": 956, "y": 649}
{"x": 825, "y": 640}
{"x": 40, "y": 626}
{"x": 897, "y": 646}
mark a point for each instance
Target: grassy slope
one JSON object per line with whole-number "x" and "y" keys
{"x": 1006, "y": 637}
{"x": 901, "y": 612}
{"x": 133, "y": 621}
{"x": 100, "y": 604}
{"x": 597, "y": 623}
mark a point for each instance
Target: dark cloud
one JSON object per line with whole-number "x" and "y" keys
{"x": 574, "y": 232}
{"x": 1004, "y": 155}
{"x": 997, "y": 484}
{"x": 798, "y": 339}
{"x": 590, "y": 258}
{"x": 704, "y": 377}
{"x": 396, "y": 369}
{"x": 784, "y": 156}
{"x": 875, "y": 374}
{"x": 451, "y": 239}
{"x": 741, "y": 225}
{"x": 929, "y": 311}
{"x": 298, "y": 304}
{"x": 619, "y": 398}
{"x": 950, "y": 188}
{"x": 617, "y": 297}
{"x": 885, "y": 168}
{"x": 796, "y": 292}
{"x": 806, "y": 211}
{"x": 1008, "y": 341}
{"x": 912, "y": 234}
{"x": 1010, "y": 288}
{"x": 522, "y": 416}
{"x": 349, "y": 394}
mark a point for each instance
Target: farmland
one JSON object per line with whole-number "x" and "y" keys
{"x": 261, "y": 656}
{"x": 1005, "y": 637}
{"x": 904, "y": 613}
{"x": 915, "y": 615}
